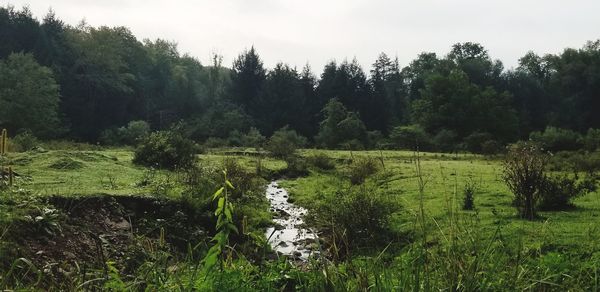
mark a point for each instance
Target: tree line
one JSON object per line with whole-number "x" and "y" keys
{"x": 84, "y": 83}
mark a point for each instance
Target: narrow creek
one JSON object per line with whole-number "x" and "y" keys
{"x": 289, "y": 237}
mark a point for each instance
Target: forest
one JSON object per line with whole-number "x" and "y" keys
{"x": 92, "y": 81}
{"x": 127, "y": 165}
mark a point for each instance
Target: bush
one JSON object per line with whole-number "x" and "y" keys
{"x": 24, "y": 141}
{"x": 524, "y": 174}
{"x": 321, "y": 161}
{"x": 353, "y": 144}
{"x": 557, "y": 193}
{"x": 284, "y": 142}
{"x": 253, "y": 139}
{"x": 591, "y": 141}
{"x": 357, "y": 216}
{"x": 490, "y": 147}
{"x": 469, "y": 195}
{"x": 411, "y": 137}
{"x": 375, "y": 139}
{"x": 296, "y": 167}
{"x": 166, "y": 149}
{"x": 474, "y": 142}
{"x": 575, "y": 161}
{"x": 247, "y": 184}
{"x": 361, "y": 168}
{"x": 445, "y": 140}
{"x": 130, "y": 135}
{"x": 235, "y": 139}
{"x": 557, "y": 139}
{"x": 214, "y": 142}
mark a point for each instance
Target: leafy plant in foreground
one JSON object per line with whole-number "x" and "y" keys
{"x": 224, "y": 226}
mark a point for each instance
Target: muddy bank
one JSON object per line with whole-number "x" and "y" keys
{"x": 74, "y": 233}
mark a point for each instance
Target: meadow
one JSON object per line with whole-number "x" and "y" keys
{"x": 431, "y": 243}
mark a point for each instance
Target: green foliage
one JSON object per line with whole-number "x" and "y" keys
{"x": 557, "y": 139}
{"x": 444, "y": 140}
{"x": 356, "y": 216}
{"x": 451, "y": 101}
{"x": 475, "y": 142}
{"x": 321, "y": 161}
{"x": 166, "y": 149}
{"x": 588, "y": 162}
{"x": 130, "y": 135}
{"x": 296, "y": 166}
{"x": 224, "y": 227}
{"x": 361, "y": 168}
{"x": 284, "y": 142}
{"x": 341, "y": 128}
{"x": 524, "y": 174}
{"x": 591, "y": 141}
{"x": 45, "y": 221}
{"x": 558, "y": 193}
{"x": 411, "y": 137}
{"x": 469, "y": 195}
{"x": 29, "y": 96}
{"x": 491, "y": 147}
{"x": 24, "y": 141}
{"x": 247, "y": 184}
{"x": 253, "y": 138}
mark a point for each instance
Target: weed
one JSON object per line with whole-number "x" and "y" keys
{"x": 361, "y": 168}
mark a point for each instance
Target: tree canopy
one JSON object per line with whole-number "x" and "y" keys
{"x": 80, "y": 81}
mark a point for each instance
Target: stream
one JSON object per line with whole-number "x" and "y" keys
{"x": 289, "y": 237}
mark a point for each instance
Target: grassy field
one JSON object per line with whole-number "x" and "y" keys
{"x": 561, "y": 247}
{"x": 66, "y": 173}
{"x": 445, "y": 176}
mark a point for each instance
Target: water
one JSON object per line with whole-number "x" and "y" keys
{"x": 290, "y": 238}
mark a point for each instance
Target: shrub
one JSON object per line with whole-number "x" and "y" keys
{"x": 361, "y": 168}
{"x": 474, "y": 142}
{"x": 24, "y": 141}
{"x": 134, "y": 132}
{"x": 557, "y": 193}
{"x": 247, "y": 184}
{"x": 214, "y": 142}
{"x": 353, "y": 144}
{"x": 524, "y": 174}
{"x": 591, "y": 141}
{"x": 357, "y": 216}
{"x": 575, "y": 161}
{"x": 129, "y": 135}
{"x": 235, "y": 138}
{"x": 411, "y": 137}
{"x": 469, "y": 195}
{"x": 445, "y": 140}
{"x": 375, "y": 139}
{"x": 557, "y": 139}
{"x": 284, "y": 142}
{"x": 321, "y": 161}
{"x": 296, "y": 167}
{"x": 166, "y": 149}
{"x": 490, "y": 147}
{"x": 253, "y": 139}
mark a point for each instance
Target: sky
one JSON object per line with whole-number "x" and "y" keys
{"x": 318, "y": 31}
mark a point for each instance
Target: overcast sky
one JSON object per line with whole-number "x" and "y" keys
{"x": 317, "y": 31}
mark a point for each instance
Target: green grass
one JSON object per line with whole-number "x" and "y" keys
{"x": 62, "y": 172}
{"x": 445, "y": 175}
{"x": 560, "y": 247}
